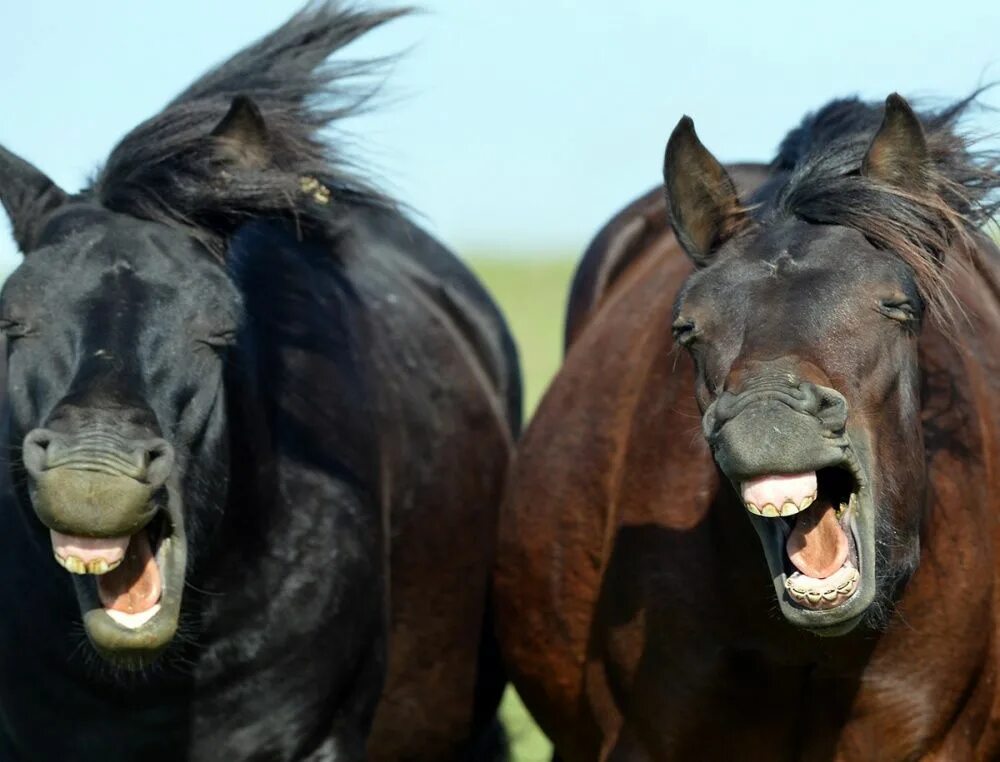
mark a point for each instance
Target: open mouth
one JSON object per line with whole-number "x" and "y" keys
{"x": 129, "y": 588}
{"x": 815, "y": 529}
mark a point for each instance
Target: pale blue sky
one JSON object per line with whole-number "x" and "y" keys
{"x": 514, "y": 126}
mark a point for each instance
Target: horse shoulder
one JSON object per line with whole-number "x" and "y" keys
{"x": 564, "y": 508}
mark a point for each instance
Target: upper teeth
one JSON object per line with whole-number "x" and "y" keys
{"x": 788, "y": 508}
{"x": 79, "y": 566}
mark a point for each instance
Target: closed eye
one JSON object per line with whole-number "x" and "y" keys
{"x": 902, "y": 310}
{"x": 13, "y": 329}
{"x": 220, "y": 340}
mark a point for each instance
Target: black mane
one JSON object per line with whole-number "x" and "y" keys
{"x": 816, "y": 176}
{"x": 168, "y": 169}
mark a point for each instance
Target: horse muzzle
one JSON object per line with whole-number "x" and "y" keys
{"x": 104, "y": 500}
{"x": 803, "y": 479}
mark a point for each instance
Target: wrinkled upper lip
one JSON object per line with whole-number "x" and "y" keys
{"x": 849, "y": 594}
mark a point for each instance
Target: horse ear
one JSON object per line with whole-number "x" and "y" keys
{"x": 898, "y": 153}
{"x": 242, "y": 135}
{"x": 704, "y": 207}
{"x": 28, "y": 195}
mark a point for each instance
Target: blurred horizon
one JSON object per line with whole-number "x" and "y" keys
{"x": 513, "y": 134}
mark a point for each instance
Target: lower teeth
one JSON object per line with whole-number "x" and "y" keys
{"x": 842, "y": 590}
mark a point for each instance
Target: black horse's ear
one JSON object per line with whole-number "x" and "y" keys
{"x": 898, "y": 153}
{"x": 242, "y": 135}
{"x": 705, "y": 209}
{"x": 29, "y": 196}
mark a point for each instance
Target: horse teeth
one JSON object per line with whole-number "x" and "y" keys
{"x": 97, "y": 566}
{"x": 100, "y": 566}
{"x": 787, "y": 508}
{"x": 72, "y": 564}
{"x": 821, "y": 594}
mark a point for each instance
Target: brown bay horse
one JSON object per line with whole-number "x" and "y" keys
{"x": 752, "y": 518}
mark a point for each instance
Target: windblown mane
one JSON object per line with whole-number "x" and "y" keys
{"x": 934, "y": 230}
{"x": 168, "y": 169}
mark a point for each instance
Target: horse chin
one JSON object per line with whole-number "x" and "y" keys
{"x": 134, "y": 640}
{"x": 832, "y": 601}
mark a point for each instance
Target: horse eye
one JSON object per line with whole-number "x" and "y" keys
{"x": 684, "y": 332}
{"x": 12, "y": 329}
{"x": 221, "y": 340}
{"x": 902, "y": 310}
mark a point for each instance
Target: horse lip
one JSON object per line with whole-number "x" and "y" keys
{"x": 749, "y": 444}
{"x": 73, "y": 501}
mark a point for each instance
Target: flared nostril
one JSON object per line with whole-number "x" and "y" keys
{"x": 158, "y": 456}
{"x": 35, "y": 451}
{"x": 832, "y": 409}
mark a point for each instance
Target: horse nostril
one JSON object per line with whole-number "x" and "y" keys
{"x": 159, "y": 458}
{"x": 830, "y": 399}
{"x": 832, "y": 410}
{"x": 35, "y": 451}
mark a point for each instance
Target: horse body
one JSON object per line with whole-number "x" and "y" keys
{"x": 338, "y": 498}
{"x": 307, "y": 574}
{"x": 625, "y": 551}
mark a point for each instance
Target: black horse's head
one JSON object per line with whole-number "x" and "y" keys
{"x": 116, "y": 329}
{"x": 121, "y": 316}
{"x": 803, "y": 318}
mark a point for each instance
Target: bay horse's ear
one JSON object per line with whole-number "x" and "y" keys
{"x": 898, "y": 154}
{"x": 28, "y": 195}
{"x": 242, "y": 135}
{"x": 705, "y": 209}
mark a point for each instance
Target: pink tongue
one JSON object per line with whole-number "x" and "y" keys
{"x": 817, "y": 546}
{"x": 134, "y": 586}
{"x": 87, "y": 549}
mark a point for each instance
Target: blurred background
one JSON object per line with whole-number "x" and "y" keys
{"x": 512, "y": 130}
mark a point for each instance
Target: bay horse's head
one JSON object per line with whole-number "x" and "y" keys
{"x": 802, "y": 318}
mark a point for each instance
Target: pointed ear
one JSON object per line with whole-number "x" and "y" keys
{"x": 898, "y": 153}
{"x": 29, "y": 196}
{"x": 242, "y": 135}
{"x": 704, "y": 207}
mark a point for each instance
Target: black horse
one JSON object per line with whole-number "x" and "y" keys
{"x": 261, "y": 421}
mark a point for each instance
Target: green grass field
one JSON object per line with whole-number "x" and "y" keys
{"x": 532, "y": 294}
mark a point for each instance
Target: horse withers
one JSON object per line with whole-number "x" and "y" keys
{"x": 754, "y": 517}
{"x": 260, "y": 425}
